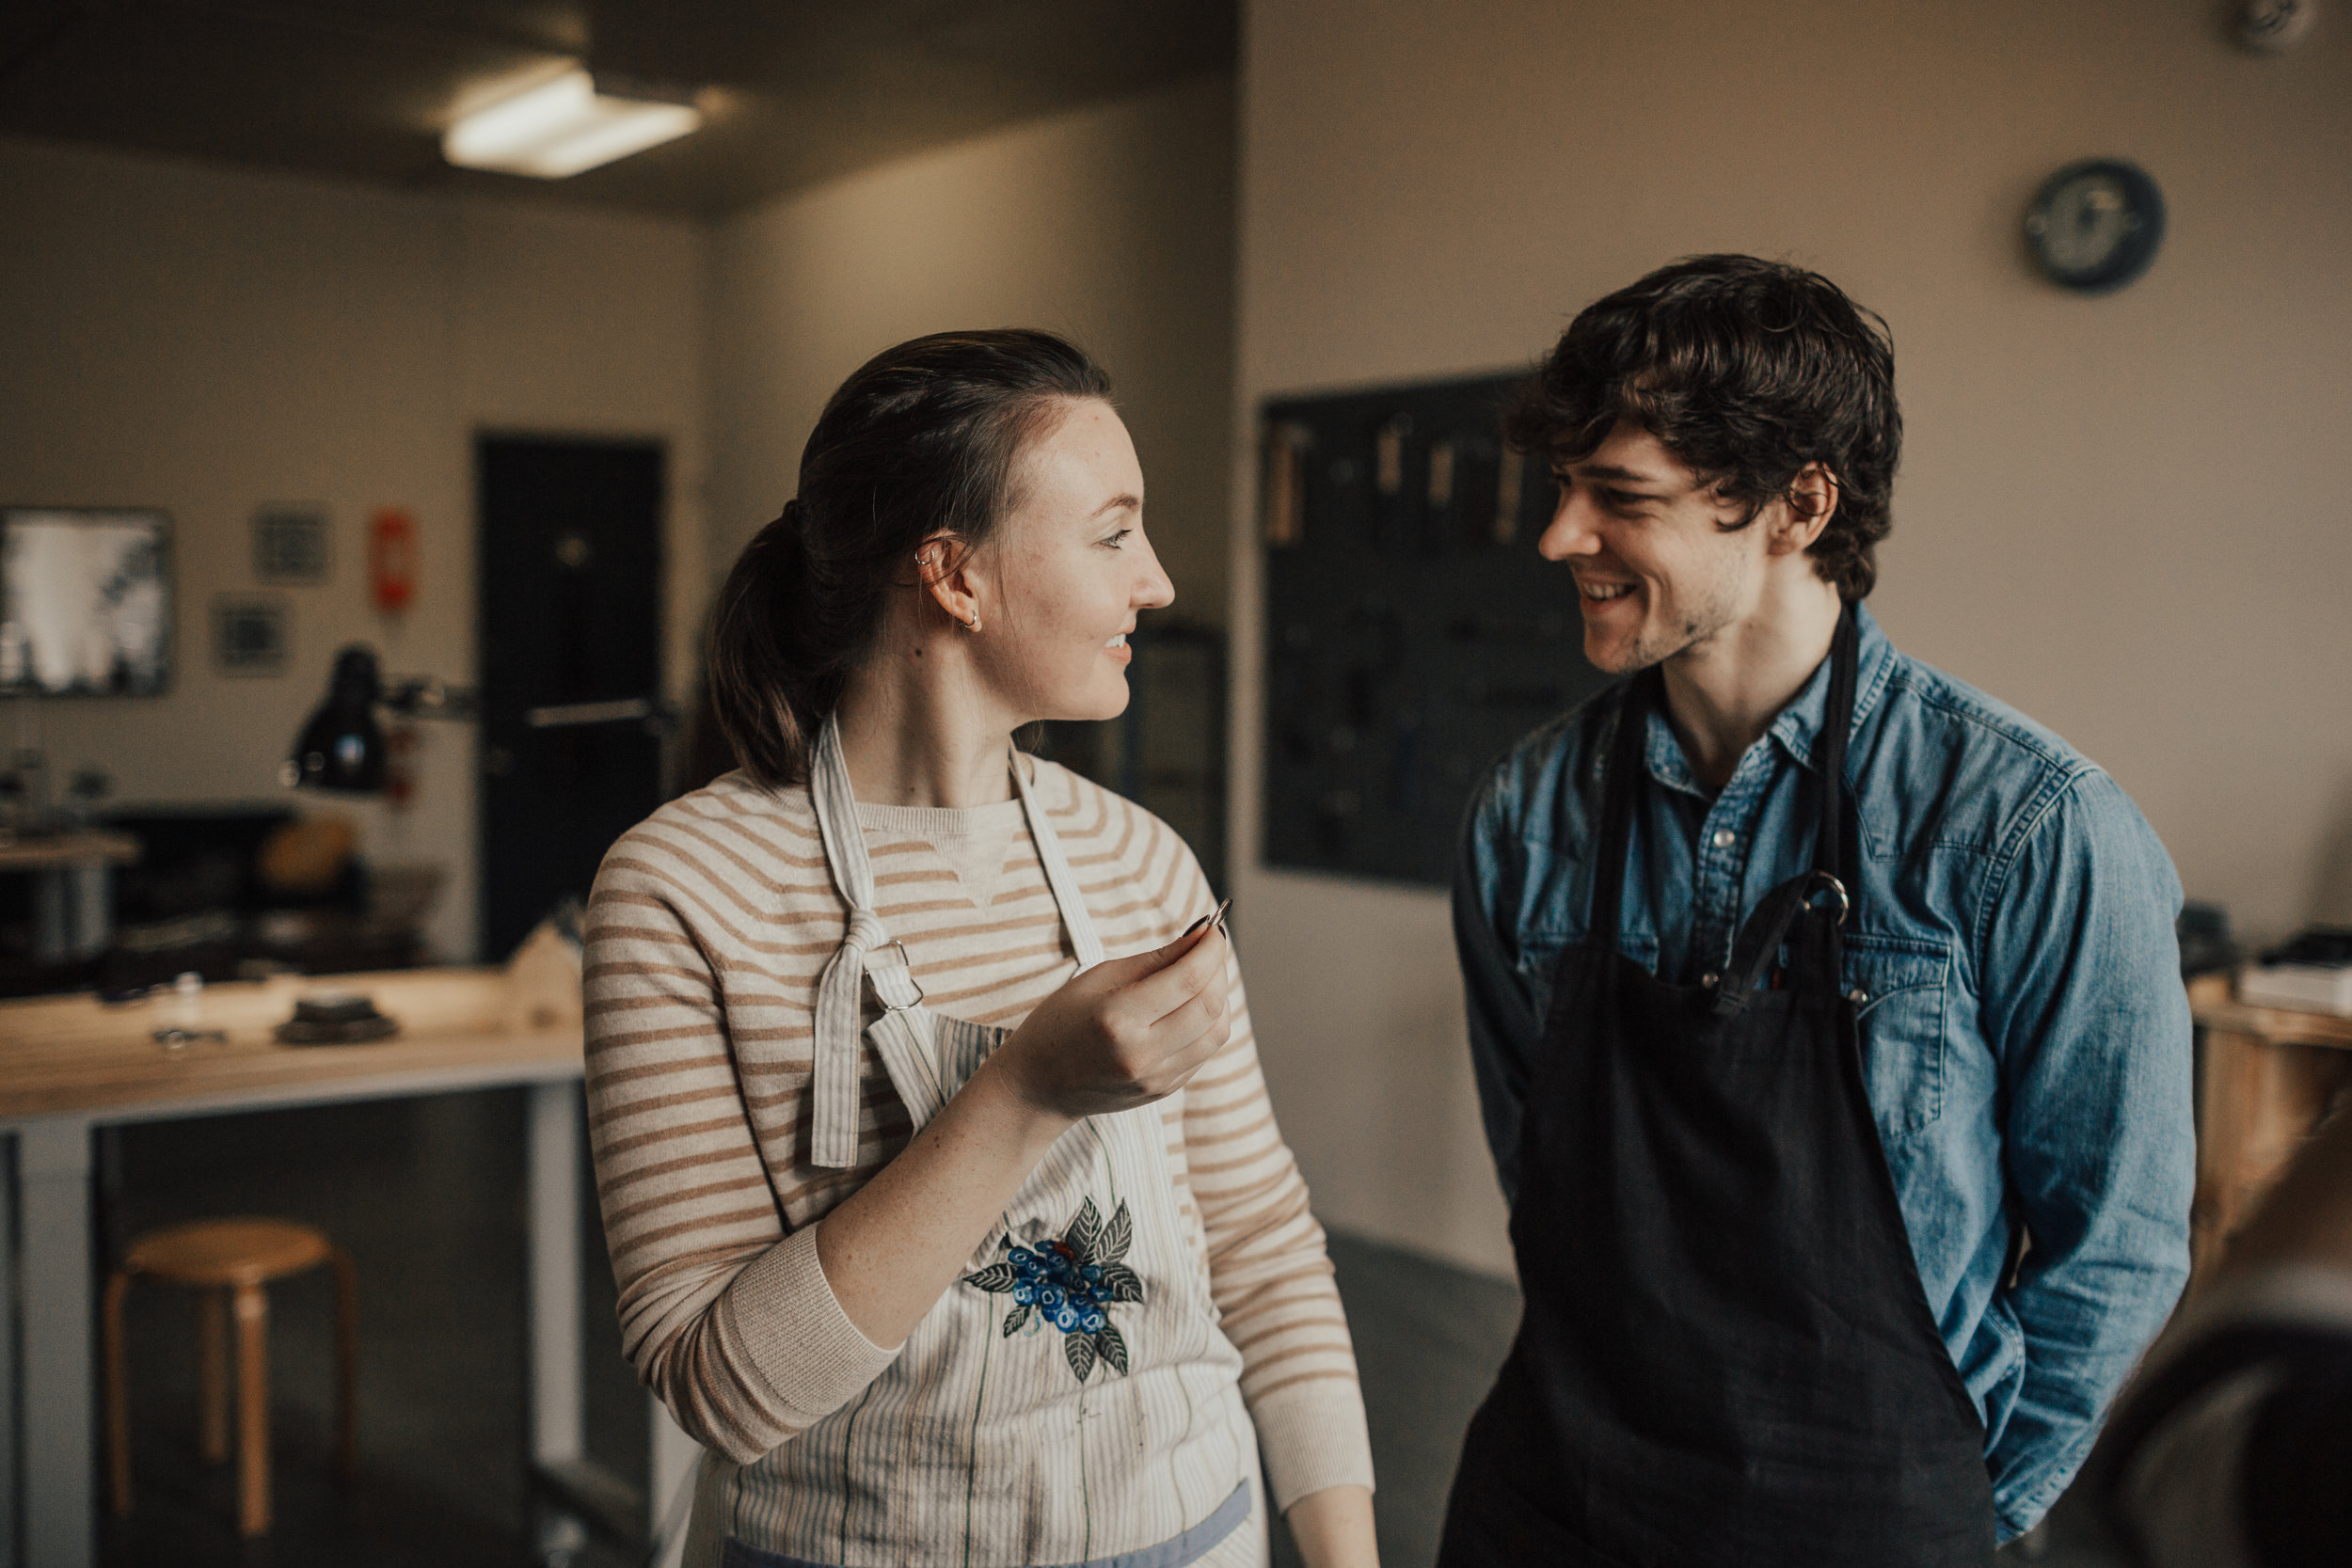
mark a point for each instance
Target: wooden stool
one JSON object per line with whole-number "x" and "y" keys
{"x": 228, "y": 1262}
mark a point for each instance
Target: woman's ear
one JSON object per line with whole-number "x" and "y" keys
{"x": 944, "y": 561}
{"x": 1812, "y": 500}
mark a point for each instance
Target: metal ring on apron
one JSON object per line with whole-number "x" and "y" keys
{"x": 1822, "y": 881}
{"x": 907, "y": 959}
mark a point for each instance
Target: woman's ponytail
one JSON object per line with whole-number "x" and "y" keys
{"x": 762, "y": 682}
{"x": 920, "y": 442}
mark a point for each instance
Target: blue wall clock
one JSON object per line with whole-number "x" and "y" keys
{"x": 2094, "y": 226}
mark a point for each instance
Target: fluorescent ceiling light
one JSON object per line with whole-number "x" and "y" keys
{"x": 561, "y": 127}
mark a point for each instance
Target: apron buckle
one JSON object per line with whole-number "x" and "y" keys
{"x": 906, "y": 960}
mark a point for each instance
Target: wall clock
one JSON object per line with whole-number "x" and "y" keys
{"x": 2094, "y": 226}
{"x": 2275, "y": 26}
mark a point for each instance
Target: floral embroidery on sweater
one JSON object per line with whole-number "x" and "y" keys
{"x": 1071, "y": 1282}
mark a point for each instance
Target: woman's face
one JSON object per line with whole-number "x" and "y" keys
{"x": 1063, "y": 575}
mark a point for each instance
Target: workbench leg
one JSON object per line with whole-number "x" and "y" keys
{"x": 557, "y": 1428}
{"x": 93, "y": 910}
{"x": 11, "y": 1291}
{"x": 53, "y": 916}
{"x": 53, "y": 1276}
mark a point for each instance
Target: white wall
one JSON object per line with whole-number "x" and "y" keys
{"x": 1112, "y": 225}
{"x": 208, "y": 340}
{"x": 2125, "y": 516}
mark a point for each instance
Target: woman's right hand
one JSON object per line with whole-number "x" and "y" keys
{"x": 1125, "y": 1032}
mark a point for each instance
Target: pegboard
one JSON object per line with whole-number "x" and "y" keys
{"x": 1412, "y": 632}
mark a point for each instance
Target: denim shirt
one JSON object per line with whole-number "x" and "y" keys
{"x": 2025, "y": 1031}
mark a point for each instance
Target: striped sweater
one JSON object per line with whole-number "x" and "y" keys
{"x": 709, "y": 925}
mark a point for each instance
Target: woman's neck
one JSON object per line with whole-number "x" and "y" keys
{"x": 916, "y": 730}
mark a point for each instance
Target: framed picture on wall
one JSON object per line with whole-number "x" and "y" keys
{"x": 85, "y": 601}
{"x": 290, "y": 544}
{"x": 249, "y": 634}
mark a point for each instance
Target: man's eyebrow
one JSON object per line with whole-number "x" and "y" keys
{"x": 1609, "y": 471}
{"x": 1120, "y": 504}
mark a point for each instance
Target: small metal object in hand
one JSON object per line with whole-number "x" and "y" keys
{"x": 334, "y": 1019}
{"x": 1214, "y": 917}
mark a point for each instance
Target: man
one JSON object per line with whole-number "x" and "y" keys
{"x": 1826, "y": 1013}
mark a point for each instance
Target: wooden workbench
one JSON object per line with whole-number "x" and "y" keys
{"x": 63, "y": 1054}
{"x": 49, "y": 852}
{"x": 70, "y": 1066}
{"x": 2270, "y": 1076}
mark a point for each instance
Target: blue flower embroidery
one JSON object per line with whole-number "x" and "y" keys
{"x": 1068, "y": 1282}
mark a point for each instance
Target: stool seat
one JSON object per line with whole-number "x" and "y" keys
{"x": 228, "y": 1252}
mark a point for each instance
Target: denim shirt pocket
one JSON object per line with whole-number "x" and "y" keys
{"x": 1898, "y": 986}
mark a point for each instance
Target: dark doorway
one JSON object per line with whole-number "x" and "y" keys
{"x": 570, "y": 632}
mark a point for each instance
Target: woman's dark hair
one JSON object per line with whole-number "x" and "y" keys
{"x": 920, "y": 442}
{"x": 1747, "y": 371}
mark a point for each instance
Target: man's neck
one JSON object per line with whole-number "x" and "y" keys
{"x": 1723, "y": 693}
{"x": 917, "y": 730}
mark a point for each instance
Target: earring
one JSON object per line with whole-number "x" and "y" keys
{"x": 974, "y": 624}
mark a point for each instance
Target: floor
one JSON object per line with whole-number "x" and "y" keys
{"x": 427, "y": 1195}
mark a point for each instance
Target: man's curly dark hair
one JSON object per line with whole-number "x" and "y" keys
{"x": 1747, "y": 371}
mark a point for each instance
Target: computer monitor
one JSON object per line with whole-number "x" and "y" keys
{"x": 85, "y": 602}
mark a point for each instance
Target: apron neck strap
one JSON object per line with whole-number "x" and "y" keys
{"x": 1084, "y": 940}
{"x": 866, "y": 945}
{"x": 840, "y": 990}
{"x": 1616, "y": 809}
{"x": 1830, "y": 848}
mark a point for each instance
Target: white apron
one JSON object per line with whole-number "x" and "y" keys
{"x": 1071, "y": 1400}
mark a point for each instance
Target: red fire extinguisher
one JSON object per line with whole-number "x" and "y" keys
{"x": 393, "y": 560}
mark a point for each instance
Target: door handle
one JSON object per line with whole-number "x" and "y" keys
{"x": 567, "y": 715}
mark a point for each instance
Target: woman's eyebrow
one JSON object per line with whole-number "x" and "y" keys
{"x": 1120, "y": 504}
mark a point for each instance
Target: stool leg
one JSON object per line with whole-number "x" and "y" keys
{"x": 211, "y": 1370}
{"x": 251, "y": 1306}
{"x": 346, "y": 1368}
{"x": 118, "y": 1397}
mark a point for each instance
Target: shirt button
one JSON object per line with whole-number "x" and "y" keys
{"x": 1725, "y": 838}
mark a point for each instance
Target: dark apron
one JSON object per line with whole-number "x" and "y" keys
{"x": 1725, "y": 1356}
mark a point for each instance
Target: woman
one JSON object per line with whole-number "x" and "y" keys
{"x": 955, "y": 1240}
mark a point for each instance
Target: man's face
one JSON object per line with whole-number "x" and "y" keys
{"x": 1656, "y": 572}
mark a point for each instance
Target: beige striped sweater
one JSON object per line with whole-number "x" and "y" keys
{"x": 710, "y": 923}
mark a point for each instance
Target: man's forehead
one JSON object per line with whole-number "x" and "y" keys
{"x": 1630, "y": 454}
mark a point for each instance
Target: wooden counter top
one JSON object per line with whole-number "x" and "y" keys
{"x": 59, "y": 1055}
{"x": 2270, "y": 1076}
{"x": 49, "y": 851}
{"x": 2276, "y": 1026}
